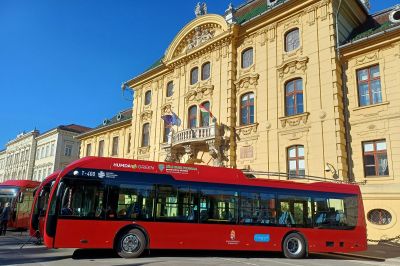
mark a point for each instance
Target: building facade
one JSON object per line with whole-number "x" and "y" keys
{"x": 111, "y": 139}
{"x": 20, "y": 156}
{"x": 371, "y": 67}
{"x": 2, "y": 164}
{"x": 56, "y": 149}
{"x": 300, "y": 87}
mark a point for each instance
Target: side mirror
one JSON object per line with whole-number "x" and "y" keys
{"x": 21, "y": 197}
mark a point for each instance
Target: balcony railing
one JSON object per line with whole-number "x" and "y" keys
{"x": 192, "y": 135}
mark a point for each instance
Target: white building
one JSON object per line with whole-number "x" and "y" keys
{"x": 55, "y": 149}
{"x": 2, "y": 164}
{"x": 20, "y": 156}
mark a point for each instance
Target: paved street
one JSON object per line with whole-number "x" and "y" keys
{"x": 30, "y": 254}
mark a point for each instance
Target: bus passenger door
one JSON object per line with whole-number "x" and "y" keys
{"x": 81, "y": 215}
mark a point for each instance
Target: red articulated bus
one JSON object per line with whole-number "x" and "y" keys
{"x": 39, "y": 205}
{"x": 19, "y": 193}
{"x": 132, "y": 205}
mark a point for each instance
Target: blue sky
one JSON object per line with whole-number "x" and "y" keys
{"x": 63, "y": 62}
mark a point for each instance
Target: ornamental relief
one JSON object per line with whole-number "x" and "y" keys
{"x": 146, "y": 116}
{"x": 199, "y": 92}
{"x": 294, "y": 66}
{"x": 198, "y": 36}
{"x": 247, "y": 131}
{"x": 294, "y": 121}
{"x": 246, "y": 71}
{"x": 247, "y": 82}
{"x": 166, "y": 109}
{"x": 367, "y": 58}
{"x": 143, "y": 150}
{"x": 293, "y": 22}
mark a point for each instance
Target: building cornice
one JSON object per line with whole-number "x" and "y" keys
{"x": 103, "y": 129}
{"x": 376, "y": 41}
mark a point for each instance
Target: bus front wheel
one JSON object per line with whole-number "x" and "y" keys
{"x": 294, "y": 246}
{"x": 131, "y": 244}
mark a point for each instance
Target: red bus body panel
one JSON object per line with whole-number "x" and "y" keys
{"x": 174, "y": 235}
{"x": 46, "y": 181}
{"x": 20, "y": 219}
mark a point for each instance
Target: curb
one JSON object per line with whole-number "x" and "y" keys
{"x": 359, "y": 256}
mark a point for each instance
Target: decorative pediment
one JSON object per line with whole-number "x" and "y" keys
{"x": 198, "y": 93}
{"x": 247, "y": 81}
{"x": 294, "y": 66}
{"x": 146, "y": 116}
{"x": 295, "y": 120}
{"x": 199, "y": 31}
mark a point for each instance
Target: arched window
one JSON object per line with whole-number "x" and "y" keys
{"x": 292, "y": 40}
{"x": 193, "y": 116}
{"x": 170, "y": 89}
{"x": 194, "y": 75}
{"x": 295, "y": 160}
{"x": 147, "y": 98}
{"x": 204, "y": 114}
{"x": 146, "y": 135}
{"x": 205, "y": 71}
{"x": 294, "y": 97}
{"x": 247, "y": 58}
{"x": 247, "y": 109}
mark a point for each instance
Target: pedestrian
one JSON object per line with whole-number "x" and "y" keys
{"x": 4, "y": 217}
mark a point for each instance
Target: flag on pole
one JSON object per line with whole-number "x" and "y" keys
{"x": 172, "y": 120}
{"x": 167, "y": 119}
{"x": 206, "y": 110}
{"x": 176, "y": 120}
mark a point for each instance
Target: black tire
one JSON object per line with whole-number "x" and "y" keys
{"x": 131, "y": 244}
{"x": 294, "y": 246}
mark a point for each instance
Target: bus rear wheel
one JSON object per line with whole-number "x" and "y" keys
{"x": 294, "y": 246}
{"x": 131, "y": 244}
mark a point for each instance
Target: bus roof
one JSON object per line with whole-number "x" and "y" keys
{"x": 20, "y": 183}
{"x": 202, "y": 173}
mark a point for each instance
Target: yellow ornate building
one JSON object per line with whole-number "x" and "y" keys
{"x": 305, "y": 87}
{"x": 110, "y": 139}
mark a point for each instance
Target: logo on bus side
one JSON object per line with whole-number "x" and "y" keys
{"x": 161, "y": 167}
{"x": 232, "y": 238}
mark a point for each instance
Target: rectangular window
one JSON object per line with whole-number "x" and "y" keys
{"x": 68, "y": 150}
{"x": 115, "y": 146}
{"x": 369, "y": 85}
{"x": 129, "y": 143}
{"x": 294, "y": 211}
{"x": 47, "y": 151}
{"x": 375, "y": 158}
{"x": 135, "y": 201}
{"x": 176, "y": 203}
{"x": 335, "y": 212}
{"x": 101, "y": 148}
{"x": 218, "y": 206}
{"x": 257, "y": 208}
{"x": 52, "y": 149}
{"x": 88, "y": 149}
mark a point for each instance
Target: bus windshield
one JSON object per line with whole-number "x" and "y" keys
{"x": 7, "y": 194}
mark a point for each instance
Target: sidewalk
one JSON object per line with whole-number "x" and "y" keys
{"x": 380, "y": 252}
